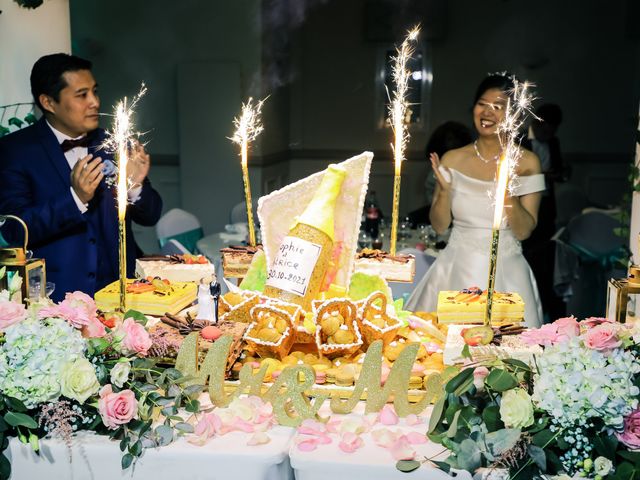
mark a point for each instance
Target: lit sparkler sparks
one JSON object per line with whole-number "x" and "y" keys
{"x": 518, "y": 106}
{"x": 248, "y": 127}
{"x": 120, "y": 140}
{"x": 397, "y": 114}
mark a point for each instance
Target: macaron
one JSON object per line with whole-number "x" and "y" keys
{"x": 211, "y": 333}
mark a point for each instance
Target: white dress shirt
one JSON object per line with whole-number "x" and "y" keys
{"x": 73, "y": 156}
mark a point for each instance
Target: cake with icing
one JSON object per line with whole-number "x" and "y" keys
{"x": 177, "y": 268}
{"x": 152, "y": 300}
{"x": 236, "y": 260}
{"x": 393, "y": 268}
{"x": 468, "y": 307}
{"x": 511, "y": 346}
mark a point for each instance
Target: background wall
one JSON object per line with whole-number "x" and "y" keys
{"x": 319, "y": 59}
{"x": 25, "y": 35}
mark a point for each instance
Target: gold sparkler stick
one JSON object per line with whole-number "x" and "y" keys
{"x": 121, "y": 140}
{"x": 518, "y": 105}
{"x": 397, "y": 113}
{"x": 248, "y": 127}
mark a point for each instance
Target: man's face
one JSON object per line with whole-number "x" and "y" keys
{"x": 76, "y": 111}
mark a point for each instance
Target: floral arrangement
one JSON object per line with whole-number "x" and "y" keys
{"x": 573, "y": 414}
{"x": 63, "y": 370}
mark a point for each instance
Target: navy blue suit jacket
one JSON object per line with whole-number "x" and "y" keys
{"x": 81, "y": 250}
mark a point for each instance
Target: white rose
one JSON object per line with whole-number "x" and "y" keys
{"x": 120, "y": 373}
{"x": 602, "y": 466}
{"x": 78, "y": 380}
{"x": 516, "y": 409}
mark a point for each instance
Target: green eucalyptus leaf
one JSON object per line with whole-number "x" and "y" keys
{"x": 165, "y": 435}
{"x": 469, "y": 455}
{"x": 137, "y": 316}
{"x": 624, "y": 471}
{"x": 491, "y": 418}
{"x": 184, "y": 427}
{"x": 436, "y": 413}
{"x": 407, "y": 466}
{"x": 192, "y": 406}
{"x": 502, "y": 440}
{"x": 519, "y": 364}
{"x": 193, "y": 390}
{"x": 164, "y": 401}
{"x": 20, "y": 420}
{"x": 136, "y": 449}
{"x": 631, "y": 456}
{"x": 15, "y": 404}
{"x": 444, "y": 466}
{"x": 127, "y": 460}
{"x": 124, "y": 443}
{"x": 5, "y": 466}
{"x": 500, "y": 380}
{"x": 453, "y": 427}
{"x": 459, "y": 380}
{"x": 606, "y": 445}
{"x": 538, "y": 456}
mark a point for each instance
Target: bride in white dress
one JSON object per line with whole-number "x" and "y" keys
{"x": 465, "y": 178}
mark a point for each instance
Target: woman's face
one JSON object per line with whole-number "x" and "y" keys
{"x": 489, "y": 111}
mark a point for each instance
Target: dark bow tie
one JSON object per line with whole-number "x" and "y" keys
{"x": 67, "y": 145}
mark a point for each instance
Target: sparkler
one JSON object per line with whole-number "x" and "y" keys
{"x": 397, "y": 113}
{"x": 518, "y": 105}
{"x": 120, "y": 140}
{"x": 248, "y": 127}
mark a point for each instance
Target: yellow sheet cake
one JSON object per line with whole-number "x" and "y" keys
{"x": 468, "y": 306}
{"x": 172, "y": 299}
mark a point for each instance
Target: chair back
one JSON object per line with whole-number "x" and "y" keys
{"x": 179, "y": 225}
{"x": 173, "y": 247}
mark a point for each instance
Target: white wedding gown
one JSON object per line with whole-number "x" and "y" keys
{"x": 464, "y": 262}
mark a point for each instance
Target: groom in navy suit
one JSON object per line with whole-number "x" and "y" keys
{"x": 54, "y": 176}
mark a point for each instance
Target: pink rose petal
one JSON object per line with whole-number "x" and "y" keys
{"x": 350, "y": 442}
{"x": 259, "y": 438}
{"x": 307, "y": 445}
{"x": 401, "y": 450}
{"x": 388, "y": 415}
{"x": 412, "y": 420}
{"x": 416, "y": 438}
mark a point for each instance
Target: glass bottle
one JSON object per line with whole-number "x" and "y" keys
{"x": 301, "y": 262}
{"x": 372, "y": 215}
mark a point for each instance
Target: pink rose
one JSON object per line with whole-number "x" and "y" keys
{"x": 603, "y": 337}
{"x": 136, "y": 338}
{"x": 10, "y": 313}
{"x": 631, "y": 434}
{"x": 77, "y": 317}
{"x": 545, "y": 335}
{"x": 81, "y": 300}
{"x": 116, "y": 408}
{"x": 479, "y": 374}
{"x": 94, "y": 329}
{"x": 594, "y": 321}
{"x": 567, "y": 327}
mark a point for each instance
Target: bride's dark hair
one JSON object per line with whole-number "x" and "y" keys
{"x": 503, "y": 81}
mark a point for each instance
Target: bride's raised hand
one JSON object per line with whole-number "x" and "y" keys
{"x": 442, "y": 173}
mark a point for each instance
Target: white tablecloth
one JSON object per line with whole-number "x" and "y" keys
{"x": 226, "y": 457}
{"x": 96, "y": 458}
